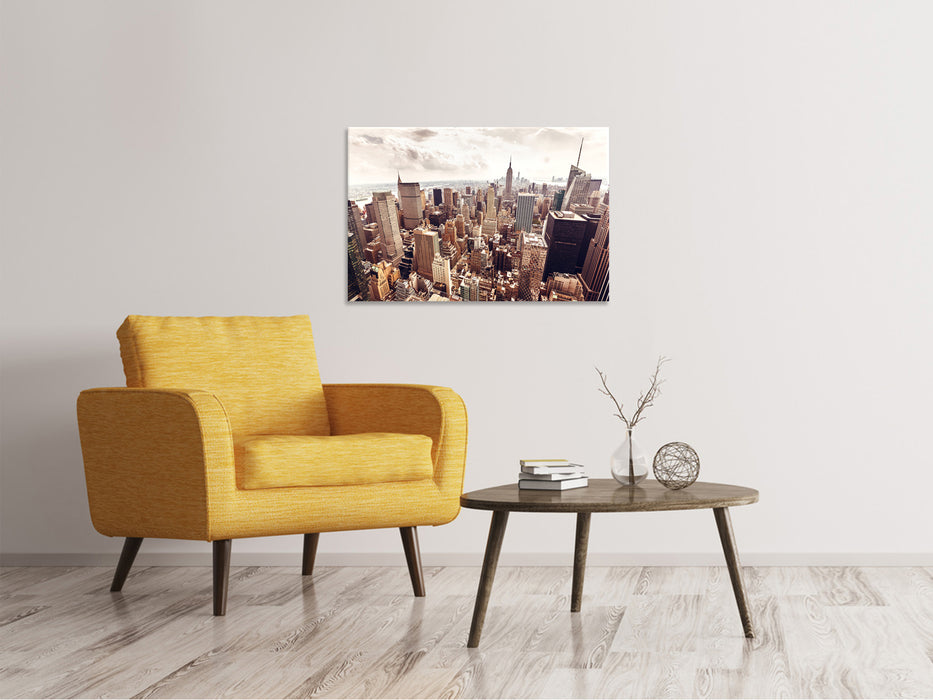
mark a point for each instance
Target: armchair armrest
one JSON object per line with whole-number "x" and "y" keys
{"x": 435, "y": 411}
{"x": 151, "y": 458}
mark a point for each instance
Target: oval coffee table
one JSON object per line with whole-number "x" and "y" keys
{"x": 603, "y": 496}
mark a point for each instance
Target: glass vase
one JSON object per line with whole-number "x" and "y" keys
{"x": 629, "y": 462}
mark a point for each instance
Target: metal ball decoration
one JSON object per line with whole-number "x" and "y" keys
{"x": 676, "y": 465}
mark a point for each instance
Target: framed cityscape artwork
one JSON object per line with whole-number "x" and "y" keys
{"x": 477, "y": 214}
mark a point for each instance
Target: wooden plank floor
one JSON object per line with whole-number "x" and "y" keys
{"x": 359, "y": 632}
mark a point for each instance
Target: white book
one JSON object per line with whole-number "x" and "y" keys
{"x": 546, "y": 463}
{"x": 553, "y": 485}
{"x": 566, "y": 469}
{"x": 551, "y": 477}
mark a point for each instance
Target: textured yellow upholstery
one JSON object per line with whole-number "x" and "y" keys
{"x": 161, "y": 457}
{"x": 335, "y": 460}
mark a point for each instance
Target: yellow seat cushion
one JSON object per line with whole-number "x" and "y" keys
{"x": 274, "y": 461}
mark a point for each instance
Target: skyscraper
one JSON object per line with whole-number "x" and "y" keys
{"x": 563, "y": 287}
{"x": 490, "y": 203}
{"x": 427, "y": 246}
{"x": 596, "y": 266}
{"x": 409, "y": 194}
{"x": 386, "y": 215}
{"x": 524, "y": 212}
{"x": 355, "y": 224}
{"x": 357, "y": 283}
{"x": 508, "y": 180}
{"x": 531, "y": 268}
{"x": 378, "y": 284}
{"x": 577, "y": 188}
{"x": 563, "y": 234}
{"x": 441, "y": 272}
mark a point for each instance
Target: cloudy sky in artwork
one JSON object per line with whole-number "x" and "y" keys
{"x": 377, "y": 154}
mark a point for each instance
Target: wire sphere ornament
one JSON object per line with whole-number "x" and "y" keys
{"x": 676, "y": 465}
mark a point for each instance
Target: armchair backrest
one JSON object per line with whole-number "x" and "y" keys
{"x": 263, "y": 369}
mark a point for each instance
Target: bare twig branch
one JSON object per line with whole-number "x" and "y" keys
{"x": 645, "y": 399}
{"x": 605, "y": 390}
{"x": 654, "y": 390}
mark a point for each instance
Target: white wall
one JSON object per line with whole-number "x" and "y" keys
{"x": 771, "y": 186}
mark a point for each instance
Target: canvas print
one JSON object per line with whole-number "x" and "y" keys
{"x": 477, "y": 214}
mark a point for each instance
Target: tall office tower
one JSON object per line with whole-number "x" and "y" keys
{"x": 593, "y": 198}
{"x": 438, "y": 197}
{"x": 427, "y": 246}
{"x": 355, "y": 224}
{"x": 465, "y": 211}
{"x": 544, "y": 188}
{"x": 592, "y": 224}
{"x": 508, "y": 179}
{"x": 468, "y": 200}
{"x": 459, "y": 225}
{"x": 502, "y": 259}
{"x": 370, "y": 232}
{"x": 448, "y": 200}
{"x": 524, "y": 212}
{"x": 450, "y": 236}
{"x": 484, "y": 287}
{"x": 409, "y": 194}
{"x": 378, "y": 284}
{"x": 403, "y": 291}
{"x": 596, "y": 265}
{"x": 575, "y": 170}
{"x": 558, "y": 199}
{"x": 544, "y": 207}
{"x": 441, "y": 272}
{"x": 407, "y": 263}
{"x": 478, "y": 259}
{"x": 373, "y": 251}
{"x": 577, "y": 189}
{"x": 466, "y": 288}
{"x": 386, "y": 215}
{"x": 490, "y": 203}
{"x": 468, "y": 189}
{"x": 391, "y": 271}
{"x": 563, "y": 234}
{"x": 357, "y": 283}
{"x": 563, "y": 287}
{"x": 531, "y": 267}
{"x": 480, "y": 217}
{"x": 489, "y": 227}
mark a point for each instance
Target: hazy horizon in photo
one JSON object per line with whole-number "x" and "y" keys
{"x": 379, "y": 154}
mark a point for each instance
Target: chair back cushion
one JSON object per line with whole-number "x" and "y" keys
{"x": 263, "y": 369}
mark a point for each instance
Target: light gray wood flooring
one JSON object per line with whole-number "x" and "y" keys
{"x": 359, "y": 632}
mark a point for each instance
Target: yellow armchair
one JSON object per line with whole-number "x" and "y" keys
{"x": 257, "y": 446}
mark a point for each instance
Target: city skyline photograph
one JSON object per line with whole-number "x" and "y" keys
{"x": 477, "y": 214}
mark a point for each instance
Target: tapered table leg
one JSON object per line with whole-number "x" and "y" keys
{"x": 490, "y": 560}
{"x": 724, "y": 525}
{"x": 579, "y": 560}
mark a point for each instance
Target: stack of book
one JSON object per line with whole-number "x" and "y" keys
{"x": 551, "y": 475}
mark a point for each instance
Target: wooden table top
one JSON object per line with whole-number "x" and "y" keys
{"x": 609, "y": 496}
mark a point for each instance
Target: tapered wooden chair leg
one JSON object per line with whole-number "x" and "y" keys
{"x": 127, "y": 557}
{"x": 221, "y": 575}
{"x": 413, "y": 557}
{"x": 308, "y": 553}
